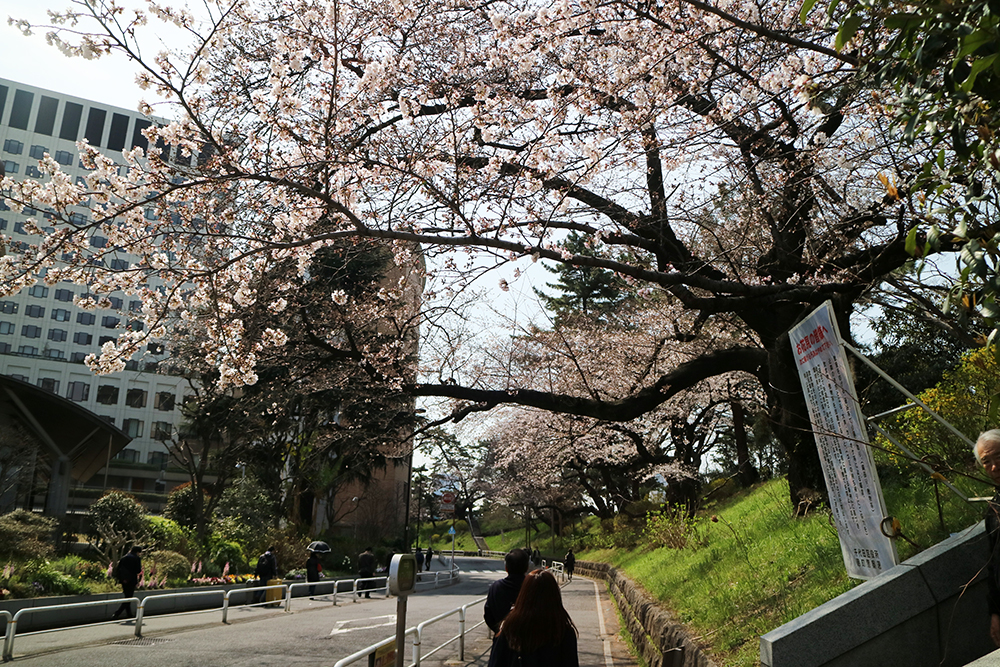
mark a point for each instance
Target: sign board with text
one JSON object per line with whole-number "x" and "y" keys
{"x": 384, "y": 656}
{"x": 447, "y": 501}
{"x": 842, "y": 440}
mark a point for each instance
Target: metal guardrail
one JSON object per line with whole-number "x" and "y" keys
{"x": 8, "y": 644}
{"x": 149, "y": 600}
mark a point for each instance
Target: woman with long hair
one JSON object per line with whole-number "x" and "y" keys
{"x": 538, "y": 631}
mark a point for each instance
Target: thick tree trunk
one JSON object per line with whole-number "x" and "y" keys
{"x": 746, "y": 472}
{"x": 806, "y": 485}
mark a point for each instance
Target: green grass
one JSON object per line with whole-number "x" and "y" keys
{"x": 750, "y": 567}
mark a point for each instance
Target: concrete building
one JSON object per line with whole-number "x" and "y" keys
{"x": 44, "y": 337}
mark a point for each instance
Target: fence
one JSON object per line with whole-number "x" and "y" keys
{"x": 417, "y": 634}
{"x": 227, "y": 596}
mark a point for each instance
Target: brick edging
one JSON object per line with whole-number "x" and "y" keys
{"x": 660, "y": 640}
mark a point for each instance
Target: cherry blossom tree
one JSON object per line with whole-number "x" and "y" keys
{"x": 720, "y": 159}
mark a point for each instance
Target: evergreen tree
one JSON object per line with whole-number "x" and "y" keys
{"x": 585, "y": 291}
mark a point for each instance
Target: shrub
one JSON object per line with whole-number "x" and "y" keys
{"x": 671, "y": 528}
{"x": 223, "y": 552}
{"x": 181, "y": 506}
{"x": 168, "y": 535}
{"x": 168, "y": 563}
{"x": 46, "y": 580}
{"x": 25, "y": 535}
{"x": 80, "y": 568}
{"x": 118, "y": 522}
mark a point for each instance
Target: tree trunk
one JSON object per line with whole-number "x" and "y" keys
{"x": 746, "y": 472}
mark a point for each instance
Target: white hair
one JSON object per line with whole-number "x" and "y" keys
{"x": 993, "y": 435}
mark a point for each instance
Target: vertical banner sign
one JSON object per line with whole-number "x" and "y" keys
{"x": 848, "y": 467}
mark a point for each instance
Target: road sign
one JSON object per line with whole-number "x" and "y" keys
{"x": 447, "y": 501}
{"x": 451, "y": 531}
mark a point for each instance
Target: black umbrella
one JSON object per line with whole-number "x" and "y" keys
{"x": 318, "y": 547}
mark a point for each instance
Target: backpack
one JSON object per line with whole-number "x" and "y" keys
{"x": 263, "y": 568}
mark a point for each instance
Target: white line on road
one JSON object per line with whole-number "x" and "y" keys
{"x": 362, "y": 624}
{"x": 604, "y": 632}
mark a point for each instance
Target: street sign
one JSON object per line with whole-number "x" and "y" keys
{"x": 447, "y": 501}
{"x": 451, "y": 531}
{"x": 403, "y": 574}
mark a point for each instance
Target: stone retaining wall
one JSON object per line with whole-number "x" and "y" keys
{"x": 660, "y": 640}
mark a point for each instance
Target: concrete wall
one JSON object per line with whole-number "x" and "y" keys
{"x": 929, "y": 611}
{"x": 660, "y": 640}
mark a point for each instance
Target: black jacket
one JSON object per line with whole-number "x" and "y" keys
{"x": 549, "y": 655}
{"x": 993, "y": 564}
{"x": 312, "y": 568}
{"x": 500, "y": 598}
{"x": 129, "y": 568}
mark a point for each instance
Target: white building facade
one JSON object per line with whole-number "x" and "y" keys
{"x": 44, "y": 337}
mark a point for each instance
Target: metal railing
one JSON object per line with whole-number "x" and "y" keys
{"x": 417, "y": 634}
{"x": 8, "y": 644}
{"x": 145, "y": 603}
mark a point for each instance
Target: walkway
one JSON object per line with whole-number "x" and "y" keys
{"x": 315, "y": 632}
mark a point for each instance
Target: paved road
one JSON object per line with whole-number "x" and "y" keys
{"x": 316, "y": 632}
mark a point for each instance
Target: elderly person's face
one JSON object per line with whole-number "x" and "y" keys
{"x": 989, "y": 456}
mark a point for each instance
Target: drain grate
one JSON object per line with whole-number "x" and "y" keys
{"x": 142, "y": 641}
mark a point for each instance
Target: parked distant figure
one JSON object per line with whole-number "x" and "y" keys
{"x": 569, "y": 563}
{"x": 419, "y": 555}
{"x": 538, "y": 631}
{"x": 503, "y": 592}
{"x": 366, "y": 569}
{"x": 313, "y": 570}
{"x": 987, "y": 451}
{"x": 267, "y": 569}
{"x": 129, "y": 568}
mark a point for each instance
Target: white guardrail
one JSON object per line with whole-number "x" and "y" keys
{"x": 355, "y": 587}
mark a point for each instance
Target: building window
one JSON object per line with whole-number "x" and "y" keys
{"x": 105, "y": 339}
{"x": 38, "y": 152}
{"x": 34, "y": 310}
{"x": 9, "y": 167}
{"x": 82, "y": 338}
{"x": 6, "y": 327}
{"x": 85, "y": 318}
{"x": 135, "y": 306}
{"x": 162, "y": 430}
{"x": 109, "y": 322}
{"x": 135, "y": 398}
{"x": 8, "y": 307}
{"x": 49, "y": 384}
{"x": 78, "y": 391}
{"x": 40, "y": 291}
{"x": 64, "y": 158}
{"x": 164, "y": 401}
{"x": 78, "y": 219}
{"x": 31, "y": 331}
{"x": 64, "y": 295}
{"x": 107, "y": 394}
{"x": 98, "y": 241}
{"x": 13, "y": 146}
{"x": 132, "y": 427}
{"x": 22, "y": 378}
{"x": 136, "y": 325}
{"x": 116, "y": 302}
{"x": 58, "y": 335}
{"x": 119, "y": 264}
{"x": 53, "y": 353}
{"x": 77, "y": 357}
{"x": 32, "y": 171}
{"x": 155, "y": 348}
{"x": 28, "y": 350}
{"x": 60, "y": 315}
{"x": 158, "y": 459}
{"x": 4, "y": 348}
{"x": 129, "y": 455}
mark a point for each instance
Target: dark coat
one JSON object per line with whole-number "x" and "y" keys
{"x": 993, "y": 564}
{"x": 312, "y": 568}
{"x": 366, "y": 564}
{"x": 500, "y": 598}
{"x": 549, "y": 655}
{"x": 129, "y": 568}
{"x": 267, "y": 566}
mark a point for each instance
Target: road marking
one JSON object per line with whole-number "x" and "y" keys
{"x": 604, "y": 632}
{"x": 362, "y": 624}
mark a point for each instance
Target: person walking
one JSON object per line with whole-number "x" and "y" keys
{"x": 502, "y": 592}
{"x": 267, "y": 569}
{"x": 419, "y": 556}
{"x": 538, "y": 631}
{"x": 129, "y": 568}
{"x": 366, "y": 570}
{"x": 313, "y": 570}
{"x": 569, "y": 563}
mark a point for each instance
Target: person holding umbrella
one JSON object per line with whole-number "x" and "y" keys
{"x": 313, "y": 567}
